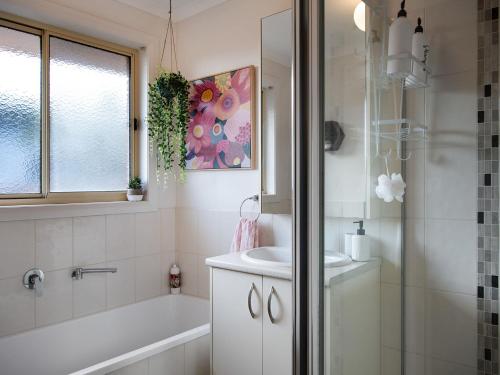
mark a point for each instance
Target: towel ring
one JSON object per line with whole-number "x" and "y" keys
{"x": 254, "y": 198}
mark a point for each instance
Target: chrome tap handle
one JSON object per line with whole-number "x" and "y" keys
{"x": 78, "y": 273}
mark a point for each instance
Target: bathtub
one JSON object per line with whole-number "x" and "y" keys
{"x": 168, "y": 334}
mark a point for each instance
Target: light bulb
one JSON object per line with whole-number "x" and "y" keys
{"x": 359, "y": 16}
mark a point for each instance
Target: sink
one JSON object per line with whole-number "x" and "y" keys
{"x": 282, "y": 257}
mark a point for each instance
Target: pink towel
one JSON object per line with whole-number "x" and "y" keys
{"x": 246, "y": 235}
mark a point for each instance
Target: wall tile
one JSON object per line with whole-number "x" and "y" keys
{"x": 167, "y": 229}
{"x": 391, "y": 361}
{"x": 415, "y": 252}
{"x": 450, "y": 195}
{"x": 390, "y": 250}
{"x": 186, "y": 229}
{"x": 197, "y": 356}
{"x": 438, "y": 367}
{"x": 209, "y": 229}
{"x": 266, "y": 235}
{"x": 89, "y": 240}
{"x": 147, "y": 233}
{"x": 56, "y": 302}
{"x": 451, "y": 255}
{"x": 227, "y": 221}
{"x": 415, "y": 320}
{"x": 391, "y": 315}
{"x": 168, "y": 362}
{"x": 415, "y": 185}
{"x": 451, "y": 327}
{"x": 89, "y": 293}
{"x": 120, "y": 286}
{"x": 188, "y": 264}
{"x": 17, "y": 307}
{"x": 17, "y": 249}
{"x": 414, "y": 364}
{"x": 203, "y": 278}
{"x": 282, "y": 229}
{"x": 54, "y": 244}
{"x": 147, "y": 277}
{"x": 138, "y": 368}
{"x": 120, "y": 236}
{"x": 167, "y": 260}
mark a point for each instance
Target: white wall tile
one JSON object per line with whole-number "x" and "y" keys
{"x": 415, "y": 252}
{"x": 188, "y": 264}
{"x": 89, "y": 240}
{"x": 54, "y": 243}
{"x": 450, "y": 185}
{"x": 451, "y": 327}
{"x": 451, "y": 255}
{"x": 227, "y": 221}
{"x": 147, "y": 233}
{"x": 415, "y": 185}
{"x": 120, "y": 286}
{"x": 414, "y": 364}
{"x": 168, "y": 362}
{"x": 89, "y": 293}
{"x": 120, "y": 236}
{"x": 167, "y": 229}
{"x": 17, "y": 248}
{"x": 56, "y": 302}
{"x": 147, "y": 277}
{"x": 437, "y": 367}
{"x": 415, "y": 320}
{"x": 391, "y": 361}
{"x": 197, "y": 356}
{"x": 266, "y": 235}
{"x": 390, "y": 250}
{"x": 209, "y": 229}
{"x": 391, "y": 315}
{"x": 138, "y": 368}
{"x": 282, "y": 229}
{"x": 186, "y": 229}
{"x": 203, "y": 278}
{"x": 17, "y": 307}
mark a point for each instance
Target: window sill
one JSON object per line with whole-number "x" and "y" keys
{"x": 45, "y": 211}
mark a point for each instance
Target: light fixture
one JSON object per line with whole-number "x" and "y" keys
{"x": 359, "y": 16}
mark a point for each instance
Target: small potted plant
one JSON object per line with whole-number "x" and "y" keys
{"x": 134, "y": 191}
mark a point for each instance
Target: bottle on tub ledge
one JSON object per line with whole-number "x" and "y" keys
{"x": 360, "y": 246}
{"x": 175, "y": 279}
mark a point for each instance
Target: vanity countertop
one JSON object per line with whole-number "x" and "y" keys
{"x": 333, "y": 275}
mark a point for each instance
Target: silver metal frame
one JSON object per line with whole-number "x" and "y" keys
{"x": 308, "y": 205}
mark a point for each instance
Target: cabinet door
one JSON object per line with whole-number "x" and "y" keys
{"x": 236, "y": 335}
{"x": 277, "y": 327}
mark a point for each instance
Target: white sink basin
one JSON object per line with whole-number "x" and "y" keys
{"x": 282, "y": 257}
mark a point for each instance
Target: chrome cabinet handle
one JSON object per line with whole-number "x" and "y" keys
{"x": 249, "y": 301}
{"x": 269, "y": 299}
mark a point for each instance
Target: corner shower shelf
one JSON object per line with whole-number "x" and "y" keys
{"x": 410, "y": 64}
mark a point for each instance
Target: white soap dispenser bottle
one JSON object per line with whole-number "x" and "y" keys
{"x": 400, "y": 38}
{"x": 418, "y": 46}
{"x": 360, "y": 244}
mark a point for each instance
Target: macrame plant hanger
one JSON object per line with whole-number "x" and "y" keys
{"x": 170, "y": 31}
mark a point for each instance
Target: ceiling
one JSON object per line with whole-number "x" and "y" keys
{"x": 181, "y": 9}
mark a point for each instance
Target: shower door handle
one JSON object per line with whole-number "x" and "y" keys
{"x": 249, "y": 301}
{"x": 269, "y": 299}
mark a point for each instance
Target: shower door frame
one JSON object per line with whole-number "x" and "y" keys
{"x": 308, "y": 186}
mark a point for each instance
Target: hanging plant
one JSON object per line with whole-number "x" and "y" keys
{"x": 168, "y": 119}
{"x": 168, "y": 114}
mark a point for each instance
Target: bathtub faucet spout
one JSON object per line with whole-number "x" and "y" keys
{"x": 78, "y": 273}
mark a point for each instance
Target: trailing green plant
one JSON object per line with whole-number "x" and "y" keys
{"x": 135, "y": 183}
{"x": 168, "y": 119}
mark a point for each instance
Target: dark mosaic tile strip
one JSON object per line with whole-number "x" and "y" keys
{"x": 488, "y": 197}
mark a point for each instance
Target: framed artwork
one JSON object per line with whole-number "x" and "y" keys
{"x": 221, "y": 130}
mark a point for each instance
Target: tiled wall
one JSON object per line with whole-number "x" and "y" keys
{"x": 441, "y": 252}
{"x": 140, "y": 245}
{"x": 487, "y": 194}
{"x": 206, "y": 233}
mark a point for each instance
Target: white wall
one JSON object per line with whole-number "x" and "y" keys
{"x": 137, "y": 238}
{"x": 217, "y": 40}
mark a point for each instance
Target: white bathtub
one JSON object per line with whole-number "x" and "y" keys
{"x": 148, "y": 337}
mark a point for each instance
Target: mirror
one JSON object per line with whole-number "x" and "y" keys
{"x": 276, "y": 111}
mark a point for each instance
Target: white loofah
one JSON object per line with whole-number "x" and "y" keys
{"x": 391, "y": 188}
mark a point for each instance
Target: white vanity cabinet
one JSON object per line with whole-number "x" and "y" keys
{"x": 251, "y": 324}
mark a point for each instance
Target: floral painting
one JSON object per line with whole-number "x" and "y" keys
{"x": 220, "y": 132}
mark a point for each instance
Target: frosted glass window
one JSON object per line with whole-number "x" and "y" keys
{"x": 20, "y": 112}
{"x": 89, "y": 118}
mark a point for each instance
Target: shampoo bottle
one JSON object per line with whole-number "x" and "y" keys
{"x": 418, "y": 50}
{"x": 360, "y": 244}
{"x": 400, "y": 38}
{"x": 175, "y": 279}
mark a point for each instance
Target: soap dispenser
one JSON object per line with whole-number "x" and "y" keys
{"x": 400, "y": 38}
{"x": 360, "y": 244}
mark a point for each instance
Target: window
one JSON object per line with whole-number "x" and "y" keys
{"x": 66, "y": 115}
